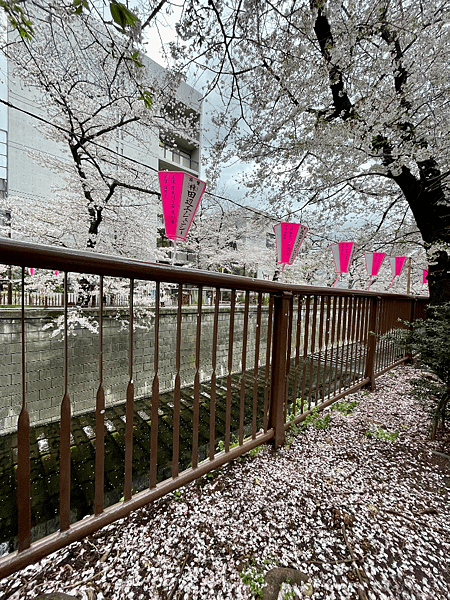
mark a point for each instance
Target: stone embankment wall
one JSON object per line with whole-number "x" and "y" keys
{"x": 45, "y": 358}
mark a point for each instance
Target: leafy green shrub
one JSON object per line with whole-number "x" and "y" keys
{"x": 431, "y": 340}
{"x": 253, "y": 577}
{"x": 383, "y": 434}
{"x": 254, "y": 451}
{"x": 314, "y": 420}
{"x": 233, "y": 443}
{"x": 346, "y": 408}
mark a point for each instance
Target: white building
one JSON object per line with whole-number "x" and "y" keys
{"x": 28, "y": 156}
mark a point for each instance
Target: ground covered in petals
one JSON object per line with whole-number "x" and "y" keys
{"x": 361, "y": 507}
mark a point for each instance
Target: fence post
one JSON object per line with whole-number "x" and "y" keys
{"x": 409, "y": 355}
{"x": 372, "y": 344}
{"x": 278, "y": 380}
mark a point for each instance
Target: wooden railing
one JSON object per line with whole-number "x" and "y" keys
{"x": 310, "y": 347}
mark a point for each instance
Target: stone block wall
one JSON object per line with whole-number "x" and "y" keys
{"x": 45, "y": 358}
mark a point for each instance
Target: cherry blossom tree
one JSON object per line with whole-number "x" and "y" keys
{"x": 90, "y": 81}
{"x": 232, "y": 240}
{"x": 340, "y": 106}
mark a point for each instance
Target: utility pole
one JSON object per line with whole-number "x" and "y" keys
{"x": 5, "y": 221}
{"x": 408, "y": 281}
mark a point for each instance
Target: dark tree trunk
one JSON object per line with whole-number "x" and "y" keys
{"x": 424, "y": 192}
{"x": 431, "y": 211}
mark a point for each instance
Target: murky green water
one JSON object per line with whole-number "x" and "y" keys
{"x": 44, "y": 450}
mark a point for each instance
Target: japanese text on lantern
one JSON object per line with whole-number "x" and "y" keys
{"x": 374, "y": 260}
{"x": 343, "y": 253}
{"x": 188, "y": 204}
{"x": 180, "y": 194}
{"x": 288, "y": 238}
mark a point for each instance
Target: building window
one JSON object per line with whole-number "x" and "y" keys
{"x": 162, "y": 241}
{"x": 179, "y": 157}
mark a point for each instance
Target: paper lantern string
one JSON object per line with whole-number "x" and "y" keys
{"x": 343, "y": 253}
{"x": 423, "y": 275}
{"x": 373, "y": 260}
{"x": 288, "y": 238}
{"x": 180, "y": 195}
{"x": 397, "y": 263}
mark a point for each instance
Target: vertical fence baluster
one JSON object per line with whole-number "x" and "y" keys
{"x": 391, "y": 320}
{"x": 212, "y": 405}
{"x": 297, "y": 354}
{"x": 100, "y": 420}
{"x": 412, "y": 317}
{"x": 377, "y": 349}
{"x": 400, "y": 314}
{"x": 230, "y": 369}
{"x": 155, "y": 397}
{"x": 348, "y": 338}
{"x": 327, "y": 339}
{"x": 64, "y": 436}
{"x": 338, "y": 340}
{"x": 345, "y": 315}
{"x": 256, "y": 365}
{"x": 359, "y": 337}
{"x": 268, "y": 366}
{"x": 372, "y": 343}
{"x": 332, "y": 340}
{"x": 319, "y": 355}
{"x": 23, "y": 449}
{"x": 380, "y": 344}
{"x": 196, "y": 405}
{"x": 129, "y": 407}
{"x": 357, "y": 325}
{"x": 177, "y": 390}
{"x": 305, "y": 351}
{"x": 395, "y": 314}
{"x": 355, "y": 345}
{"x": 313, "y": 348}
{"x": 364, "y": 336}
{"x": 244, "y": 366}
{"x": 388, "y": 321}
{"x": 384, "y": 323}
{"x": 288, "y": 357}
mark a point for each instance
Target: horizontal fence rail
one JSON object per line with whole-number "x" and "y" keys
{"x": 117, "y": 405}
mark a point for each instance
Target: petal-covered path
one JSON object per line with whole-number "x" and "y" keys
{"x": 360, "y": 507}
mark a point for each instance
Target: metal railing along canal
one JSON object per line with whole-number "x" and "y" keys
{"x": 274, "y": 353}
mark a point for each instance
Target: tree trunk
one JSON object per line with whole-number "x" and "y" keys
{"x": 431, "y": 212}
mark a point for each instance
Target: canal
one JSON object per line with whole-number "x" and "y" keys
{"x": 44, "y": 446}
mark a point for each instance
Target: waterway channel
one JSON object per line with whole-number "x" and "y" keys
{"x": 44, "y": 448}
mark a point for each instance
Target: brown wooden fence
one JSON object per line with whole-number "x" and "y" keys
{"x": 318, "y": 346}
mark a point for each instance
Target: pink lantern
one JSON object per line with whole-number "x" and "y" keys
{"x": 374, "y": 260}
{"x": 423, "y": 274}
{"x": 396, "y": 263}
{"x": 343, "y": 253}
{"x": 288, "y": 237}
{"x": 180, "y": 194}
{"x": 31, "y": 270}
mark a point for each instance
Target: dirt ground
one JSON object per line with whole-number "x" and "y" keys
{"x": 360, "y": 508}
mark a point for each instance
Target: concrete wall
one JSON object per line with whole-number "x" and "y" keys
{"x": 45, "y": 358}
